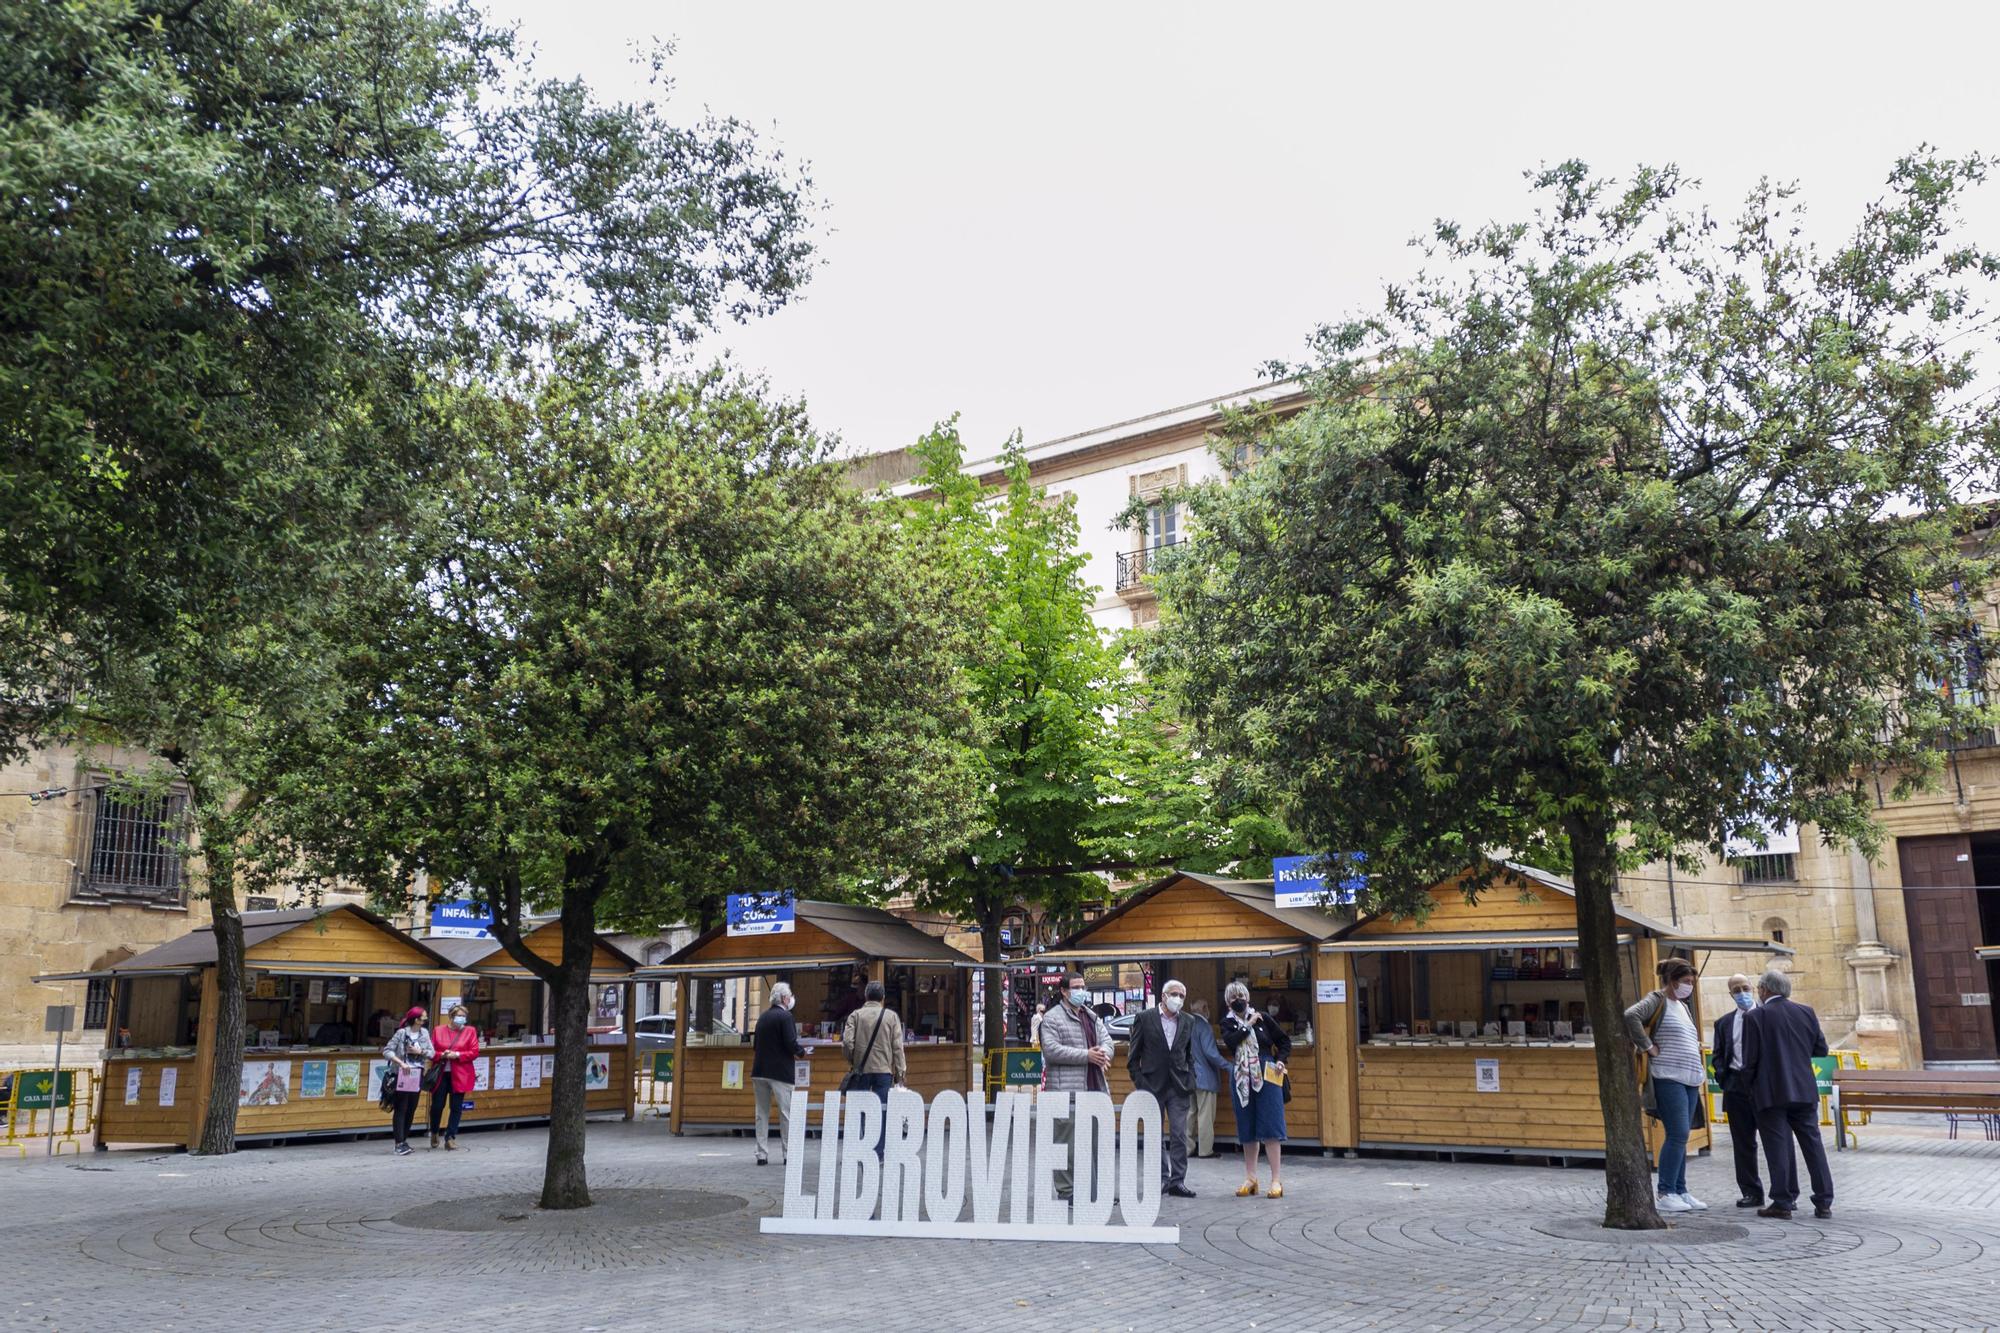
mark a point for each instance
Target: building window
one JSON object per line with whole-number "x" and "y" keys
{"x": 97, "y": 1005}
{"x": 1163, "y": 525}
{"x": 1768, "y": 868}
{"x": 1774, "y": 929}
{"x": 133, "y": 846}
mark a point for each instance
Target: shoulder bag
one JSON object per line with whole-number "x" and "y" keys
{"x": 854, "y": 1075}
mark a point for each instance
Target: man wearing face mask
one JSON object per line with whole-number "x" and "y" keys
{"x": 1161, "y": 1061}
{"x": 1737, "y": 1100}
{"x": 1662, "y": 1026}
{"x": 1076, "y": 1052}
{"x": 773, "y": 1072}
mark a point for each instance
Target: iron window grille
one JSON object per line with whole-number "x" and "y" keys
{"x": 135, "y": 847}
{"x": 97, "y": 1005}
{"x": 1768, "y": 868}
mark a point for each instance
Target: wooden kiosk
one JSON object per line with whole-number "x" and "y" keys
{"x": 1469, "y": 1029}
{"x": 322, "y": 991}
{"x": 832, "y": 950}
{"x": 1205, "y": 932}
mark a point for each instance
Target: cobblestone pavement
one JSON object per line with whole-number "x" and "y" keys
{"x": 344, "y": 1236}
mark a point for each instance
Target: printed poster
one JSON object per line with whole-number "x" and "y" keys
{"x": 376, "y": 1068}
{"x": 548, "y": 1066}
{"x": 347, "y": 1078}
{"x": 263, "y": 1083}
{"x": 168, "y": 1078}
{"x": 316, "y": 991}
{"x": 132, "y": 1086}
{"x": 1486, "y": 1075}
{"x": 802, "y": 1073}
{"x": 732, "y": 1075}
{"x": 503, "y": 1072}
{"x": 482, "y": 1073}
{"x": 597, "y": 1071}
{"x": 531, "y": 1071}
{"x": 312, "y": 1078}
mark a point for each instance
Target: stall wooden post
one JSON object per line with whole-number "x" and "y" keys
{"x": 208, "y": 1017}
{"x": 111, "y": 1029}
{"x": 683, "y": 1015}
{"x": 1337, "y": 1039}
{"x": 631, "y": 1049}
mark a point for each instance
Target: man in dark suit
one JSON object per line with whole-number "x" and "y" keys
{"x": 1161, "y": 1061}
{"x": 1779, "y": 1043}
{"x": 1738, "y": 1101}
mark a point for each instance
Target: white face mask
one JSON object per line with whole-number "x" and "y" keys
{"x": 1078, "y": 996}
{"x": 458, "y": 1020}
{"x": 1172, "y": 1004}
{"x": 1685, "y": 989}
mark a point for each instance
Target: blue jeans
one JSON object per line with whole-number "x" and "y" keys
{"x": 1676, "y": 1102}
{"x": 879, "y": 1084}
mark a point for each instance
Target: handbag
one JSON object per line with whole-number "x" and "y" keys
{"x": 852, "y": 1082}
{"x": 388, "y": 1090}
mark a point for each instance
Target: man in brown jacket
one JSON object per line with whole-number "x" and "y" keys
{"x": 872, "y": 1039}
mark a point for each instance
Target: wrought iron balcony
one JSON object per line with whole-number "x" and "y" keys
{"x": 1134, "y": 566}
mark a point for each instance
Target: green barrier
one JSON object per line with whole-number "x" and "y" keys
{"x": 42, "y": 1090}
{"x": 663, "y": 1066}
{"x": 1021, "y": 1069}
{"x": 1823, "y": 1067}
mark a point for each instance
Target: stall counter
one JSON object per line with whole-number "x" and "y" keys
{"x": 933, "y": 1067}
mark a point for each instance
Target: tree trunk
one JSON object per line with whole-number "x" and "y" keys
{"x": 564, "y": 1184}
{"x": 225, "y": 1070}
{"x": 1628, "y": 1185}
{"x": 996, "y": 983}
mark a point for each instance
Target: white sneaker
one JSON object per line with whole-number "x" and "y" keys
{"x": 1693, "y": 1202}
{"x": 1671, "y": 1203}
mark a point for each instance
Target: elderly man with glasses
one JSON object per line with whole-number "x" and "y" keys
{"x": 1161, "y": 1062}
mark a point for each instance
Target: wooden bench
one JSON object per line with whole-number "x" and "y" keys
{"x": 1973, "y": 1093}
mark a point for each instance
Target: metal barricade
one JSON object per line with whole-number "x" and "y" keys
{"x": 654, "y": 1084}
{"x": 32, "y": 1094}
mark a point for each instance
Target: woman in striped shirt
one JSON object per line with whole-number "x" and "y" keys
{"x": 1662, "y": 1026}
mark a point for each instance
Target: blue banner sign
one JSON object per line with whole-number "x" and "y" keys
{"x": 1296, "y": 881}
{"x": 760, "y": 913}
{"x": 462, "y": 920}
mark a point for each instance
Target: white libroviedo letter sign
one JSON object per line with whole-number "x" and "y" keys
{"x": 932, "y": 1156}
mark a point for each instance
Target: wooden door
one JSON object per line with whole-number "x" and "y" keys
{"x": 1943, "y": 909}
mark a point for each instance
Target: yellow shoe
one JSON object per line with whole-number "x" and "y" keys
{"x": 1276, "y": 1191}
{"x": 1246, "y": 1189}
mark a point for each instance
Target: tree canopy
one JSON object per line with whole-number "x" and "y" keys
{"x": 1619, "y": 526}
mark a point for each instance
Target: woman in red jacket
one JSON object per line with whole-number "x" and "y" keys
{"x": 457, "y": 1046}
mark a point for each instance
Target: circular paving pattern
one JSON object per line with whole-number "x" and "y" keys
{"x": 610, "y": 1210}
{"x": 1694, "y": 1231}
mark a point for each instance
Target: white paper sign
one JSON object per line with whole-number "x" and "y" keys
{"x": 531, "y": 1071}
{"x": 168, "y": 1079}
{"x": 548, "y": 1066}
{"x": 132, "y": 1086}
{"x": 482, "y": 1073}
{"x": 732, "y": 1075}
{"x": 802, "y": 1073}
{"x": 1332, "y": 992}
{"x": 1486, "y": 1075}
{"x": 945, "y": 1160}
{"x": 503, "y": 1072}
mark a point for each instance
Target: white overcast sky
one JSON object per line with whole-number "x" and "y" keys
{"x": 1059, "y": 216}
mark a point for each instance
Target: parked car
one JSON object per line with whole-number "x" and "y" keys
{"x": 1121, "y": 1025}
{"x": 655, "y": 1032}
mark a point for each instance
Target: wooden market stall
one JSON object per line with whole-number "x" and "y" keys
{"x": 832, "y": 950}
{"x": 1205, "y": 932}
{"x": 1469, "y": 1029}
{"x": 322, "y": 990}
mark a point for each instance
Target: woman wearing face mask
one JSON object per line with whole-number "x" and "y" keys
{"x": 457, "y": 1046}
{"x": 409, "y": 1048}
{"x": 1662, "y": 1026}
{"x": 1258, "y": 1049}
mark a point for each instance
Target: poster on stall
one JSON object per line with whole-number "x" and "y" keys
{"x": 376, "y": 1068}
{"x": 548, "y": 1066}
{"x": 531, "y": 1071}
{"x": 263, "y": 1083}
{"x": 503, "y": 1072}
{"x": 802, "y": 1073}
{"x": 316, "y": 991}
{"x": 168, "y": 1078}
{"x": 597, "y": 1071}
{"x": 132, "y": 1086}
{"x": 312, "y": 1078}
{"x": 347, "y": 1078}
{"x": 1486, "y": 1075}
{"x": 482, "y": 1073}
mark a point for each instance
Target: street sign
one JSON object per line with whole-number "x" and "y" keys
{"x": 1296, "y": 882}
{"x": 461, "y": 920}
{"x": 59, "y": 1018}
{"x": 44, "y": 1090}
{"x": 760, "y": 913}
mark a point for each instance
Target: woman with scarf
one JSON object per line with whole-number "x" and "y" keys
{"x": 409, "y": 1048}
{"x": 456, "y": 1046}
{"x": 1258, "y": 1049}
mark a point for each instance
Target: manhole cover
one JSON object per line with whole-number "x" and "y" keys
{"x": 610, "y": 1210}
{"x": 1679, "y": 1234}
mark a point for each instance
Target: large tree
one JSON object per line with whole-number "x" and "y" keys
{"x": 1616, "y": 526}
{"x": 654, "y": 650}
{"x": 242, "y": 242}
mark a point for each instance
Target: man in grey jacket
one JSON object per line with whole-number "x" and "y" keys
{"x": 1076, "y": 1052}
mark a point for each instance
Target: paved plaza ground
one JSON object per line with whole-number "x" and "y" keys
{"x": 345, "y": 1236}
